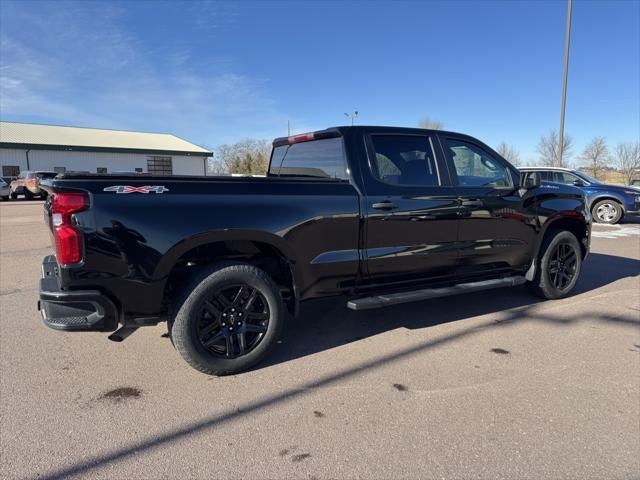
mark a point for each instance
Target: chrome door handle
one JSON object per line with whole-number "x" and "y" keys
{"x": 472, "y": 203}
{"x": 386, "y": 205}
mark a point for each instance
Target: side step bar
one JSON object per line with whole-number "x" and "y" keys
{"x": 369, "y": 303}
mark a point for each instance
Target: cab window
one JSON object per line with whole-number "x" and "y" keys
{"x": 477, "y": 168}
{"x": 404, "y": 160}
{"x": 317, "y": 159}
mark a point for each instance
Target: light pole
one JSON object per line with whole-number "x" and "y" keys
{"x": 564, "y": 84}
{"x": 352, "y": 116}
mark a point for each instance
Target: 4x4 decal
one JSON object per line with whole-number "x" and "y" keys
{"x": 130, "y": 189}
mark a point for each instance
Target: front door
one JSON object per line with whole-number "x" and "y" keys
{"x": 496, "y": 230}
{"x": 411, "y": 211}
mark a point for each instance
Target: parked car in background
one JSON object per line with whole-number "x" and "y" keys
{"x": 635, "y": 183}
{"x": 5, "y": 190}
{"x": 608, "y": 203}
{"x": 28, "y": 184}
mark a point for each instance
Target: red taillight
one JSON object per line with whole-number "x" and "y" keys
{"x": 68, "y": 240}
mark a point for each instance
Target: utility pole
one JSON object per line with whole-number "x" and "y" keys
{"x": 352, "y": 116}
{"x": 564, "y": 84}
{"x": 288, "y": 128}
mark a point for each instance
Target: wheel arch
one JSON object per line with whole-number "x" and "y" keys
{"x": 607, "y": 196}
{"x": 575, "y": 224}
{"x": 267, "y": 251}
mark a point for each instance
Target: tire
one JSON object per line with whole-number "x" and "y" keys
{"x": 27, "y": 194}
{"x": 43, "y": 195}
{"x": 13, "y": 195}
{"x": 204, "y": 307}
{"x": 607, "y": 212}
{"x": 558, "y": 247}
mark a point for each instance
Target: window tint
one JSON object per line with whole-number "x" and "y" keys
{"x": 476, "y": 168}
{"x": 566, "y": 178}
{"x": 159, "y": 165}
{"x": 318, "y": 158}
{"x": 48, "y": 174}
{"x": 10, "y": 170}
{"x": 404, "y": 160}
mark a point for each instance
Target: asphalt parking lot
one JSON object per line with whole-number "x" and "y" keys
{"x": 490, "y": 385}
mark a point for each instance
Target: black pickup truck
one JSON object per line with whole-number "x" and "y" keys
{"x": 377, "y": 215}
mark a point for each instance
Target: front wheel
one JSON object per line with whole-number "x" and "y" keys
{"x": 558, "y": 267}
{"x": 13, "y": 195}
{"x": 228, "y": 319}
{"x": 607, "y": 211}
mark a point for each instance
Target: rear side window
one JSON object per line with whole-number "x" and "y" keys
{"x": 318, "y": 159}
{"x": 404, "y": 160}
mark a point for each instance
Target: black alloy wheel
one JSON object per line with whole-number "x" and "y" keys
{"x": 227, "y": 317}
{"x": 563, "y": 265}
{"x": 233, "y": 321}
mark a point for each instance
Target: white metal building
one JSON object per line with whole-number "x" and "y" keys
{"x": 28, "y": 146}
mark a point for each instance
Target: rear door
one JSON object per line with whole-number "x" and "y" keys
{"x": 410, "y": 210}
{"x": 496, "y": 230}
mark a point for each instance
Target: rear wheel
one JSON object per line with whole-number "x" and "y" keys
{"x": 558, "y": 267}
{"x": 607, "y": 211}
{"x": 228, "y": 319}
{"x": 13, "y": 195}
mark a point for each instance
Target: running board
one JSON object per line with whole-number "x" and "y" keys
{"x": 369, "y": 303}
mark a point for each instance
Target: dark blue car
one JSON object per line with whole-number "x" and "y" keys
{"x": 608, "y": 203}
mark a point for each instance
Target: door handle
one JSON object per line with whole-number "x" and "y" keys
{"x": 386, "y": 205}
{"x": 472, "y": 203}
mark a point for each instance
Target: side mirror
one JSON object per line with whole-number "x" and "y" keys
{"x": 578, "y": 183}
{"x": 530, "y": 180}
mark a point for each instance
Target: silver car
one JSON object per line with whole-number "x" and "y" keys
{"x": 5, "y": 191}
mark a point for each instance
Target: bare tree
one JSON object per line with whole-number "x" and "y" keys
{"x": 548, "y": 148}
{"x": 249, "y": 156}
{"x": 595, "y": 155}
{"x": 628, "y": 160}
{"x": 431, "y": 124}
{"x": 509, "y": 153}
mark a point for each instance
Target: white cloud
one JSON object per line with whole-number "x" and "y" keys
{"x": 80, "y": 66}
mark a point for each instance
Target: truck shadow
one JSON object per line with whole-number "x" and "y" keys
{"x": 327, "y": 323}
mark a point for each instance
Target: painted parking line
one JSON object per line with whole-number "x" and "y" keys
{"x": 615, "y": 231}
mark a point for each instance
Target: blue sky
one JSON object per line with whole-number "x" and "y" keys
{"x": 215, "y": 72}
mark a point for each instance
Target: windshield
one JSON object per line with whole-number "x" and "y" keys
{"x": 586, "y": 177}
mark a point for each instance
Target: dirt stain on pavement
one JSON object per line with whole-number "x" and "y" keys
{"x": 318, "y": 414}
{"x": 300, "y": 457}
{"x": 121, "y": 393}
{"x": 500, "y": 351}
{"x": 285, "y": 451}
{"x": 400, "y": 387}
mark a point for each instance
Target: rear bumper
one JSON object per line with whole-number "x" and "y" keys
{"x": 73, "y": 310}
